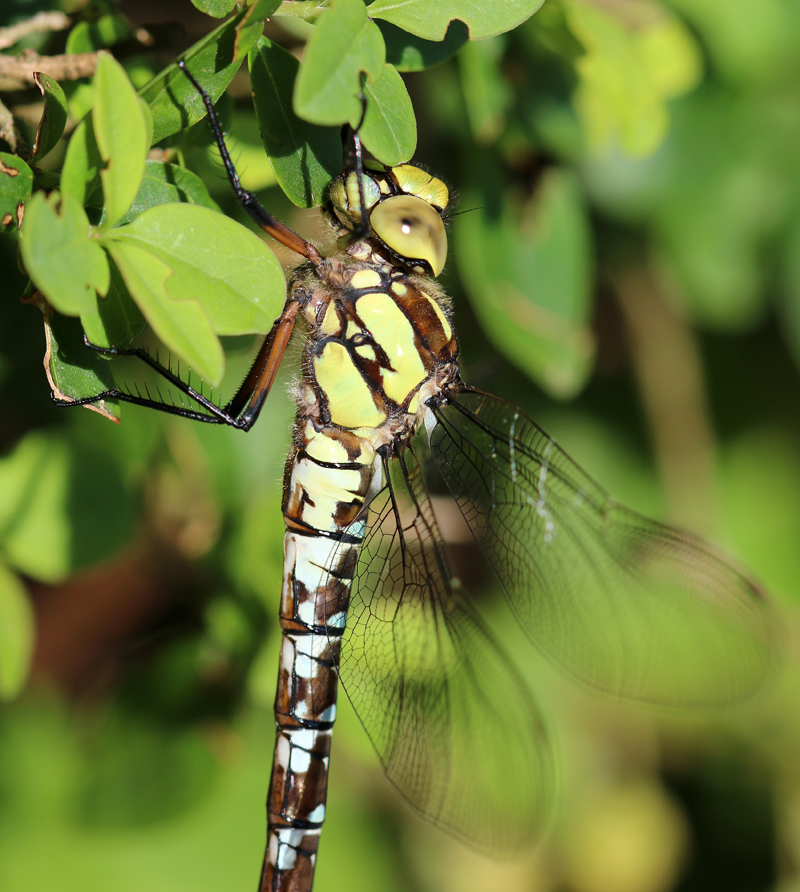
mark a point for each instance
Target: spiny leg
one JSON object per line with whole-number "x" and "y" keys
{"x": 250, "y": 203}
{"x": 242, "y": 410}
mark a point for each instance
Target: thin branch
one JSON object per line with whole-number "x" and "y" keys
{"x": 39, "y": 24}
{"x": 10, "y": 133}
{"x": 62, "y": 68}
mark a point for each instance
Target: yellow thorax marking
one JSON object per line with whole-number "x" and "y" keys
{"x": 349, "y": 398}
{"x": 330, "y": 321}
{"x": 393, "y": 332}
{"x": 365, "y": 278}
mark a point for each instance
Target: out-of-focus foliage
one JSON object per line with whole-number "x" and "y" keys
{"x": 631, "y": 182}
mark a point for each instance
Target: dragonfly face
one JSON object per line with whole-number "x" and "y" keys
{"x": 369, "y": 599}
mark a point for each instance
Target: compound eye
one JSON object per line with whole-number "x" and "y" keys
{"x": 412, "y": 229}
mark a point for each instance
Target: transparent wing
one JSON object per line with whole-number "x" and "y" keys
{"x": 625, "y": 604}
{"x": 453, "y": 724}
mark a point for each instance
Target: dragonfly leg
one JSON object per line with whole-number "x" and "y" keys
{"x": 242, "y": 410}
{"x": 363, "y": 230}
{"x": 271, "y": 225}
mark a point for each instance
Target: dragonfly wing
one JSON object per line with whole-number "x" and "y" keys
{"x": 627, "y": 605}
{"x": 453, "y": 724}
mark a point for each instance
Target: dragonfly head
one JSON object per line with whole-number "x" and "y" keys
{"x": 405, "y": 205}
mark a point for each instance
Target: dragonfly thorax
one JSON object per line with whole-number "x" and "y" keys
{"x": 376, "y": 337}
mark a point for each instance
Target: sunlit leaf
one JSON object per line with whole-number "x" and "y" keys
{"x": 181, "y": 325}
{"x": 215, "y": 262}
{"x": 216, "y": 8}
{"x": 344, "y": 44}
{"x": 431, "y": 20}
{"x": 88, "y": 37}
{"x": 54, "y": 115}
{"x": 80, "y": 175}
{"x": 528, "y": 271}
{"x": 16, "y": 634}
{"x": 34, "y": 528}
{"x": 389, "y": 130}
{"x": 214, "y": 60}
{"x": 66, "y": 264}
{"x": 16, "y": 182}
{"x": 163, "y": 183}
{"x": 304, "y": 156}
{"x": 122, "y": 134}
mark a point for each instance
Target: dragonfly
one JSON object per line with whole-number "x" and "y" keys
{"x": 370, "y": 600}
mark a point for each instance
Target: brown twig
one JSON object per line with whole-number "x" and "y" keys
{"x": 62, "y": 68}
{"x": 10, "y": 133}
{"x": 38, "y": 24}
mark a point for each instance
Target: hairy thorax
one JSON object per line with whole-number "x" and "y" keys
{"x": 379, "y": 343}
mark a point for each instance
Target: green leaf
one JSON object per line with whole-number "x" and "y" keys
{"x": 88, "y": 37}
{"x": 389, "y": 130}
{"x": 182, "y": 325}
{"x": 34, "y": 529}
{"x": 487, "y": 92}
{"x": 17, "y": 629}
{"x": 627, "y": 74}
{"x": 16, "y": 182}
{"x": 528, "y": 272}
{"x": 216, "y": 262}
{"x": 115, "y": 322}
{"x": 65, "y": 263}
{"x": 431, "y": 19}
{"x": 73, "y": 370}
{"x": 407, "y": 52}
{"x": 122, "y": 133}
{"x": 216, "y": 8}
{"x": 344, "y": 44}
{"x": 304, "y": 156}
{"x": 54, "y": 115}
{"x": 214, "y": 61}
{"x": 165, "y": 183}
{"x": 81, "y": 173}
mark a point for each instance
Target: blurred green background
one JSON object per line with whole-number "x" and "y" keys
{"x": 628, "y": 273}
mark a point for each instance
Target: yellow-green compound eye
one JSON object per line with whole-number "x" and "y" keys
{"x": 412, "y": 229}
{"x": 415, "y": 181}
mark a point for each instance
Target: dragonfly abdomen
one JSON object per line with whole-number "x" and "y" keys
{"x": 322, "y": 499}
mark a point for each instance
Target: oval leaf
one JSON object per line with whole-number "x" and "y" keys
{"x": 73, "y": 371}
{"x": 122, "y": 133}
{"x": 34, "y": 527}
{"x": 529, "y": 274}
{"x": 216, "y": 8}
{"x": 54, "y": 115}
{"x": 216, "y": 263}
{"x": 16, "y": 182}
{"x": 389, "y": 130}
{"x": 344, "y": 44}
{"x": 182, "y": 325}
{"x": 214, "y": 60}
{"x": 431, "y": 20}
{"x": 304, "y": 156}
{"x": 165, "y": 183}
{"x": 407, "y": 52}
{"x": 16, "y": 634}
{"x": 81, "y": 173}
{"x": 66, "y": 265}
{"x": 88, "y": 37}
